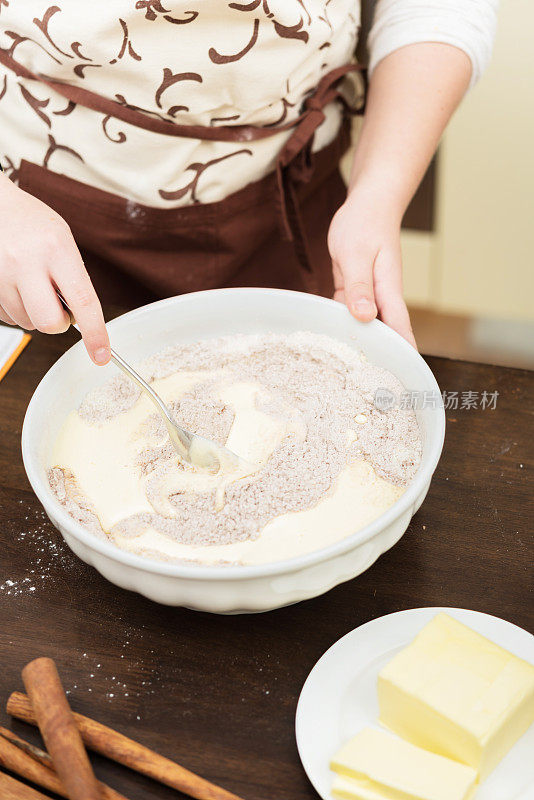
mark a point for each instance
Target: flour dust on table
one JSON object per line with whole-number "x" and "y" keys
{"x": 298, "y": 407}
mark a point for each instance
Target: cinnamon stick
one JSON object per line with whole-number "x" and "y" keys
{"x": 35, "y": 765}
{"x": 59, "y": 730}
{"x": 11, "y": 789}
{"x": 120, "y": 748}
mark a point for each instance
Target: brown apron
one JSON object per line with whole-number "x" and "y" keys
{"x": 273, "y": 232}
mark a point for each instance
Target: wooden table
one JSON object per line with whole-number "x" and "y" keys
{"x": 218, "y": 694}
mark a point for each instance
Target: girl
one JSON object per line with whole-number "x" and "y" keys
{"x": 188, "y": 145}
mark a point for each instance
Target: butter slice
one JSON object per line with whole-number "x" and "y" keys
{"x": 376, "y": 765}
{"x": 456, "y": 693}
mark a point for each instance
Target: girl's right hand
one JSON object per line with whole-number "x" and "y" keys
{"x": 37, "y": 256}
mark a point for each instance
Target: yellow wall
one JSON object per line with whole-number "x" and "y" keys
{"x": 485, "y": 214}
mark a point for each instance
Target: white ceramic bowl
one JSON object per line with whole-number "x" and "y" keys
{"x": 190, "y": 317}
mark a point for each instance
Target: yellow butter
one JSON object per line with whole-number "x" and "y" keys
{"x": 458, "y": 694}
{"x": 376, "y": 765}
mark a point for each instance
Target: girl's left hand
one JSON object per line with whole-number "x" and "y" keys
{"x": 364, "y": 244}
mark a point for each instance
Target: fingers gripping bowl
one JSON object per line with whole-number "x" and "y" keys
{"x": 211, "y": 314}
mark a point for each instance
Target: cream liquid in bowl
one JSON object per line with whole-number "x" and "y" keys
{"x": 299, "y": 407}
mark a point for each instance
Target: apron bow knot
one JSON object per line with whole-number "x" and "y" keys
{"x": 295, "y": 161}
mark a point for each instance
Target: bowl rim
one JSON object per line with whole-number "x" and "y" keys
{"x": 236, "y": 572}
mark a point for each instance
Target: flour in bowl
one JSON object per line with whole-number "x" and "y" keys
{"x": 299, "y": 407}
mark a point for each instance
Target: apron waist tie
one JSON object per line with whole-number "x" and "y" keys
{"x": 295, "y": 161}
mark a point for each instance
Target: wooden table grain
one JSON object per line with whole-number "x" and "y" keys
{"x": 218, "y": 694}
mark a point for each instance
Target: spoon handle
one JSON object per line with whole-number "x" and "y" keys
{"x": 175, "y": 431}
{"x": 172, "y": 427}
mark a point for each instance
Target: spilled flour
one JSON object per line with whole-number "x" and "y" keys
{"x": 300, "y": 406}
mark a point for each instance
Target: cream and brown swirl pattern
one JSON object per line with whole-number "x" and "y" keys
{"x": 204, "y": 62}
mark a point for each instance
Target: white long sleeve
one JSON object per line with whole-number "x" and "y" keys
{"x": 467, "y": 24}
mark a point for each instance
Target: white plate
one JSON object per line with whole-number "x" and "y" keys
{"x": 339, "y": 697}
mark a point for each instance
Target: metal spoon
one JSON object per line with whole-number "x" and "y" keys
{"x": 193, "y": 449}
